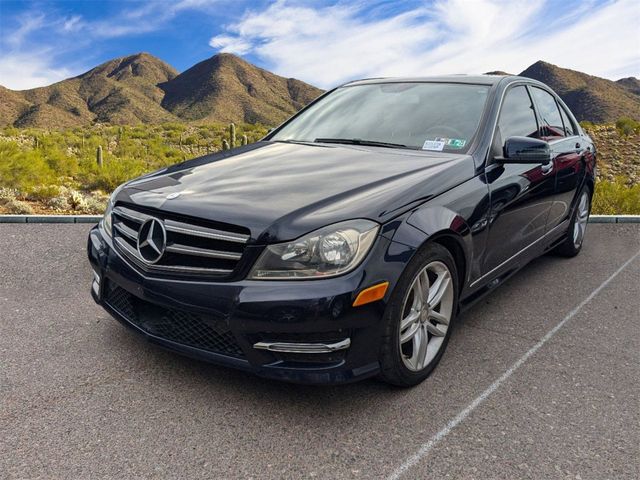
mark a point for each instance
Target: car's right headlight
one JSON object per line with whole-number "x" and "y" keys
{"x": 107, "y": 218}
{"x": 330, "y": 251}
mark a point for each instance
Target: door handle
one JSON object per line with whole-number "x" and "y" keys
{"x": 547, "y": 168}
{"x": 578, "y": 147}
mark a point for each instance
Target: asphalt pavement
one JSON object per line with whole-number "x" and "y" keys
{"x": 541, "y": 380}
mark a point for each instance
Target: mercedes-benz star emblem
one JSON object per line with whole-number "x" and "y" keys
{"x": 152, "y": 240}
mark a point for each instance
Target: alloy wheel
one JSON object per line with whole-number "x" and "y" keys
{"x": 580, "y": 224}
{"x": 426, "y": 315}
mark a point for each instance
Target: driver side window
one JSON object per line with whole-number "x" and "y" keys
{"x": 517, "y": 118}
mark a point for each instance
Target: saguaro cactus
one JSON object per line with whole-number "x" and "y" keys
{"x": 245, "y": 140}
{"x": 99, "y": 156}
{"x": 225, "y": 144}
{"x": 232, "y": 135}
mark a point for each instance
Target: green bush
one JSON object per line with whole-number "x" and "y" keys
{"x": 43, "y": 192}
{"x": 23, "y": 169}
{"x": 615, "y": 198}
{"x": 627, "y": 126}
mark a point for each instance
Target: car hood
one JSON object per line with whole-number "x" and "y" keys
{"x": 283, "y": 190}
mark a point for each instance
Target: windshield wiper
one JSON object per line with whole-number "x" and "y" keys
{"x": 290, "y": 140}
{"x": 359, "y": 141}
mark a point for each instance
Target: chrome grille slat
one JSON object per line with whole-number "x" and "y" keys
{"x": 130, "y": 214}
{"x": 126, "y": 231}
{"x": 176, "y": 268}
{"x": 188, "y": 229}
{"x": 133, "y": 255}
{"x": 189, "y": 248}
{"x": 202, "y": 252}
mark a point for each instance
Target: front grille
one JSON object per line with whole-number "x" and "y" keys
{"x": 192, "y": 246}
{"x": 186, "y": 328}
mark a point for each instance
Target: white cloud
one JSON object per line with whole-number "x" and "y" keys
{"x": 28, "y": 23}
{"x": 329, "y": 45}
{"x": 22, "y": 71}
{"x": 147, "y": 17}
{"x": 229, "y": 44}
{"x": 72, "y": 24}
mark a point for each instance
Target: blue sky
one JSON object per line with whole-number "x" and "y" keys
{"x": 321, "y": 42}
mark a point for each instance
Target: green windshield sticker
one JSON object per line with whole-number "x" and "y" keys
{"x": 456, "y": 143}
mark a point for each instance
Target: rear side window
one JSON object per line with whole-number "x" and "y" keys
{"x": 569, "y": 127}
{"x": 517, "y": 117}
{"x": 552, "y": 125}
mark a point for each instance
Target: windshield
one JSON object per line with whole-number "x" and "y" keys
{"x": 428, "y": 116}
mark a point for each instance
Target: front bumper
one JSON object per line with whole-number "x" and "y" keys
{"x": 255, "y": 325}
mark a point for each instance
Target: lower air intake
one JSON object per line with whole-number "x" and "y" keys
{"x": 179, "y": 326}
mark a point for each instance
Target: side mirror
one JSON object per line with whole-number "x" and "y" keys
{"x": 525, "y": 150}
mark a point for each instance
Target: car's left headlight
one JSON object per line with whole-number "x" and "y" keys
{"x": 327, "y": 252}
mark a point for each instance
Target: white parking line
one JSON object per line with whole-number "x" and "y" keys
{"x": 455, "y": 421}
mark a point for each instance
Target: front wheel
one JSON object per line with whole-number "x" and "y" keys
{"x": 419, "y": 317}
{"x": 578, "y": 226}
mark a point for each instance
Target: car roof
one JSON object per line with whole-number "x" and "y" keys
{"x": 469, "y": 79}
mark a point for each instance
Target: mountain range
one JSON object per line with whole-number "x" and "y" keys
{"x": 143, "y": 89}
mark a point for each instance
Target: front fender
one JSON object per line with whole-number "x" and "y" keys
{"x": 434, "y": 223}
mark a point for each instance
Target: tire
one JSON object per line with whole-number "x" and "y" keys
{"x": 407, "y": 318}
{"x": 572, "y": 244}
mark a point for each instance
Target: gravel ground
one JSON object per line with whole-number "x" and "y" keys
{"x": 82, "y": 397}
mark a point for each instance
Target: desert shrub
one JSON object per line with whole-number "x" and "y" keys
{"x": 43, "y": 192}
{"x": 113, "y": 173}
{"x": 7, "y": 193}
{"x": 59, "y": 203}
{"x": 94, "y": 205}
{"x": 23, "y": 169}
{"x": 17, "y": 207}
{"x": 627, "y": 126}
{"x": 76, "y": 200}
{"x": 615, "y": 198}
{"x": 62, "y": 164}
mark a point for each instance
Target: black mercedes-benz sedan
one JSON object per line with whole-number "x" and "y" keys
{"x": 345, "y": 243}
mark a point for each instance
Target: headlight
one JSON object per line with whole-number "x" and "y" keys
{"x": 106, "y": 219}
{"x": 330, "y": 251}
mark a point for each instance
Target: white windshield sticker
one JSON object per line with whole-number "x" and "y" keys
{"x": 436, "y": 145}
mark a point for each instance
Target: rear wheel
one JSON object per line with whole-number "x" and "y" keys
{"x": 419, "y": 317}
{"x": 578, "y": 226}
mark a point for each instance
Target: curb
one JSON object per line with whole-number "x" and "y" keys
{"x": 50, "y": 218}
{"x": 96, "y": 218}
{"x": 614, "y": 219}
